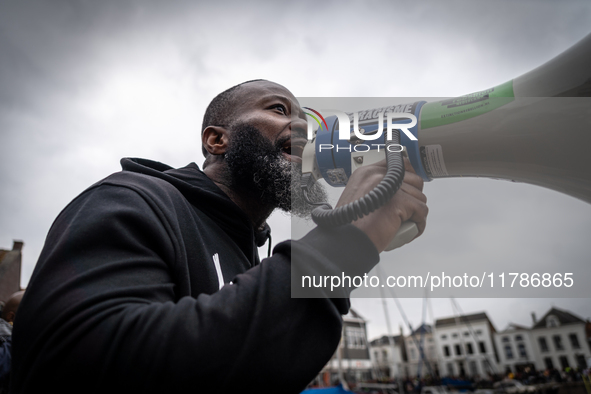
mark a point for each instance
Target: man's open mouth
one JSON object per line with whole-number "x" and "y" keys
{"x": 293, "y": 149}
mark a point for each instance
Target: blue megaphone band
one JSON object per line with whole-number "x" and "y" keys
{"x": 333, "y": 155}
{"x": 412, "y": 147}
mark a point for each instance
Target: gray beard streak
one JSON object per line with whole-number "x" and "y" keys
{"x": 273, "y": 180}
{"x": 316, "y": 193}
{"x": 285, "y": 190}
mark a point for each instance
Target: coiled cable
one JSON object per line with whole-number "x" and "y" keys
{"x": 324, "y": 215}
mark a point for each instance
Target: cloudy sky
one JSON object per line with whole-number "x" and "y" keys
{"x": 84, "y": 83}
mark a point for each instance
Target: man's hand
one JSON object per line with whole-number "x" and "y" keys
{"x": 409, "y": 203}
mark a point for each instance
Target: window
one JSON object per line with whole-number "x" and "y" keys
{"x": 450, "y": 369}
{"x": 355, "y": 337}
{"x": 485, "y": 366}
{"x": 384, "y": 355}
{"x": 478, "y": 332}
{"x": 548, "y": 363}
{"x": 552, "y": 321}
{"x": 581, "y": 362}
{"x": 518, "y": 338}
{"x": 505, "y": 339}
{"x": 473, "y": 368}
{"x": 543, "y": 344}
{"x": 466, "y": 334}
{"x": 508, "y": 352}
{"x": 521, "y": 350}
{"x": 458, "y": 350}
{"x": 482, "y": 347}
{"x": 446, "y": 351}
{"x": 564, "y": 362}
{"x": 558, "y": 342}
{"x": 469, "y": 348}
{"x": 412, "y": 353}
{"x": 574, "y": 341}
{"x": 376, "y": 354}
{"x": 444, "y": 337}
{"x": 454, "y": 335}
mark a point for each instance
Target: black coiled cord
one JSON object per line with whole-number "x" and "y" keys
{"x": 325, "y": 216}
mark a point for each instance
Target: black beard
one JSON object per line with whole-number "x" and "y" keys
{"x": 259, "y": 169}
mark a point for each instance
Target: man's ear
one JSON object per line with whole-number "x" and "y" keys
{"x": 215, "y": 140}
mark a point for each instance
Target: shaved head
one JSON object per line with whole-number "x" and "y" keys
{"x": 221, "y": 109}
{"x": 11, "y": 306}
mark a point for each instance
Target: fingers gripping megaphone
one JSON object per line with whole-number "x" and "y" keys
{"x": 534, "y": 129}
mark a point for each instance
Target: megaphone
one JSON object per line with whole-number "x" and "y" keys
{"x": 534, "y": 129}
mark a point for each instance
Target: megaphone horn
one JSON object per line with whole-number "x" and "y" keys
{"x": 534, "y": 129}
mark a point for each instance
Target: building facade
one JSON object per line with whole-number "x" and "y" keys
{"x": 352, "y": 357}
{"x": 465, "y": 346}
{"x": 516, "y": 349}
{"x": 560, "y": 341}
{"x": 10, "y": 270}
{"x": 425, "y": 364}
{"x": 388, "y": 356}
{"x": 469, "y": 346}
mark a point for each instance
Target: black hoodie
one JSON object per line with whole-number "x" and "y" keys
{"x": 126, "y": 296}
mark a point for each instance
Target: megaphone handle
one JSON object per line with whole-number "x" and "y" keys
{"x": 406, "y": 233}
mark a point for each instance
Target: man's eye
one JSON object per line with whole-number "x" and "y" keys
{"x": 281, "y": 108}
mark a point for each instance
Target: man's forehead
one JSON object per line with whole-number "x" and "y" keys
{"x": 256, "y": 91}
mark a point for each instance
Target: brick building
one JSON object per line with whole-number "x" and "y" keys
{"x": 10, "y": 270}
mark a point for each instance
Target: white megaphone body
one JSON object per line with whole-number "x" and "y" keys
{"x": 534, "y": 129}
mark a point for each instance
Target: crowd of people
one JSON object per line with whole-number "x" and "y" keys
{"x": 529, "y": 380}
{"x": 7, "y": 313}
{"x": 527, "y": 377}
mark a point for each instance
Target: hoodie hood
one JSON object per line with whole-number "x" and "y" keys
{"x": 200, "y": 190}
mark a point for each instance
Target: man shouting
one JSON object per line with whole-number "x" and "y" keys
{"x": 150, "y": 281}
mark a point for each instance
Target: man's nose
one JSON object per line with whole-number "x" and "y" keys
{"x": 299, "y": 125}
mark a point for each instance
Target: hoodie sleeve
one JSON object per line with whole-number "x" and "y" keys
{"x": 101, "y": 311}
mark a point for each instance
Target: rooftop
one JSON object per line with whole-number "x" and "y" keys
{"x": 563, "y": 317}
{"x": 385, "y": 340}
{"x": 463, "y": 319}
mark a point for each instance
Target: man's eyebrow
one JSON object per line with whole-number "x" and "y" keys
{"x": 271, "y": 97}
{"x": 285, "y": 99}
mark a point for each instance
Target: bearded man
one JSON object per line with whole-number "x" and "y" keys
{"x": 150, "y": 281}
